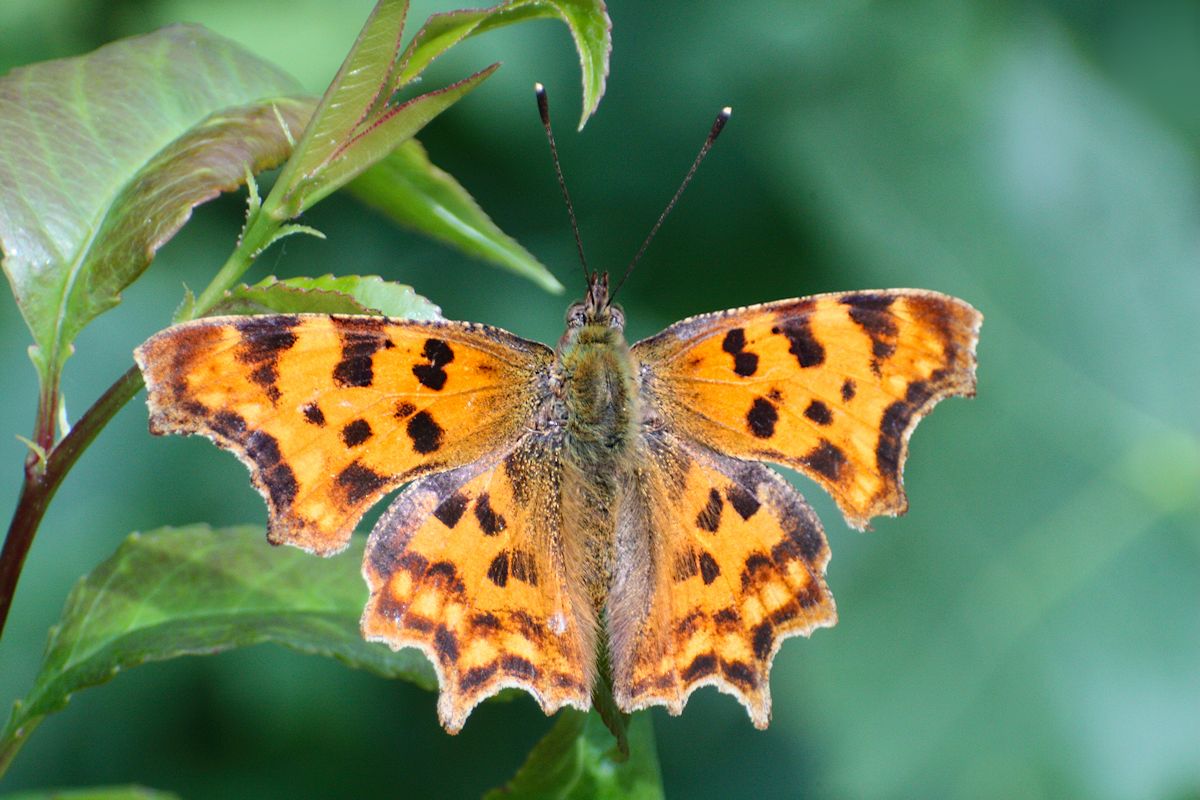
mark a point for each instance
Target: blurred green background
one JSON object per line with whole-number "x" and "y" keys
{"x": 1030, "y": 629}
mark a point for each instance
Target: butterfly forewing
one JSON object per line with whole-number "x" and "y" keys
{"x": 831, "y": 385}
{"x": 332, "y": 412}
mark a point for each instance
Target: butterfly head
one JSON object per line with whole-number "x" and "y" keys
{"x": 595, "y": 309}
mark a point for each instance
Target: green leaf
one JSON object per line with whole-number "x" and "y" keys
{"x": 345, "y": 294}
{"x": 103, "y": 156}
{"x": 348, "y": 100}
{"x": 376, "y": 140}
{"x": 408, "y": 188}
{"x": 197, "y": 591}
{"x": 94, "y": 793}
{"x": 577, "y": 760}
{"x": 357, "y": 122}
{"x": 587, "y": 20}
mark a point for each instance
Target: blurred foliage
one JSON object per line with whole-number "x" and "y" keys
{"x": 1029, "y": 629}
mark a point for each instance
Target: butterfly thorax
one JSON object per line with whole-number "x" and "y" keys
{"x": 599, "y": 401}
{"x": 597, "y": 386}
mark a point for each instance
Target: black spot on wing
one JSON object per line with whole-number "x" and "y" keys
{"x": 361, "y": 339}
{"x": 709, "y": 518}
{"x": 476, "y": 677}
{"x": 485, "y": 621}
{"x": 281, "y": 485}
{"x": 528, "y": 626}
{"x": 450, "y": 510}
{"x": 490, "y": 522}
{"x": 688, "y": 625}
{"x": 702, "y": 665}
{"x": 229, "y": 424}
{"x": 744, "y": 363}
{"x": 734, "y": 341}
{"x": 314, "y": 415}
{"x": 523, "y": 567}
{"x": 826, "y": 459}
{"x": 445, "y": 574}
{"x": 498, "y": 570}
{"x": 871, "y": 313}
{"x": 263, "y": 339}
{"x": 804, "y": 539}
{"x": 763, "y": 637}
{"x": 848, "y": 390}
{"x": 274, "y": 472}
{"x": 446, "y": 644}
{"x": 738, "y": 673}
{"x": 438, "y": 354}
{"x": 896, "y": 419}
{"x": 404, "y": 410}
{"x": 802, "y": 344}
{"x": 356, "y": 433}
{"x": 360, "y": 482}
{"x": 425, "y": 433}
{"x": 727, "y": 616}
{"x": 743, "y": 501}
{"x": 761, "y": 418}
{"x": 819, "y": 413}
{"x": 709, "y": 570}
{"x": 755, "y": 562}
{"x": 684, "y": 565}
{"x": 519, "y": 667}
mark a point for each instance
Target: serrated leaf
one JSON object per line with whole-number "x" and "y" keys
{"x": 328, "y": 294}
{"x": 410, "y": 189}
{"x": 103, "y": 156}
{"x": 587, "y": 20}
{"x": 198, "y": 591}
{"x": 577, "y": 760}
{"x": 94, "y": 793}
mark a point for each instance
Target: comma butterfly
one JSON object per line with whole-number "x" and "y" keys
{"x": 596, "y": 497}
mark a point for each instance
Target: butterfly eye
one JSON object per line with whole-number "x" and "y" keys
{"x": 576, "y": 316}
{"x": 616, "y": 318}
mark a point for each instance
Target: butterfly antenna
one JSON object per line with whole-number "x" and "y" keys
{"x": 718, "y": 125}
{"x": 544, "y": 110}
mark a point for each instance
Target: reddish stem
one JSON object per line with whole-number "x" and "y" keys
{"x": 43, "y": 476}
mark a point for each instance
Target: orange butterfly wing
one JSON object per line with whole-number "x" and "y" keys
{"x": 831, "y": 385}
{"x": 471, "y": 567}
{"x": 332, "y": 412}
{"x": 730, "y": 561}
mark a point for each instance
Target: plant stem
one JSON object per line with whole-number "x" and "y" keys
{"x": 43, "y": 479}
{"x": 258, "y": 235}
{"x": 11, "y": 743}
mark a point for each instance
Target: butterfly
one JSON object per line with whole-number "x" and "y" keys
{"x": 596, "y": 492}
{"x": 594, "y": 503}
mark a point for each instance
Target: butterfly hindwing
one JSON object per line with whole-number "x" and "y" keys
{"x": 831, "y": 385}
{"x": 332, "y": 412}
{"x": 470, "y": 566}
{"x": 735, "y": 563}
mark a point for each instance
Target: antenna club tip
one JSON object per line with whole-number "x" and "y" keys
{"x": 538, "y": 88}
{"x": 726, "y": 112}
